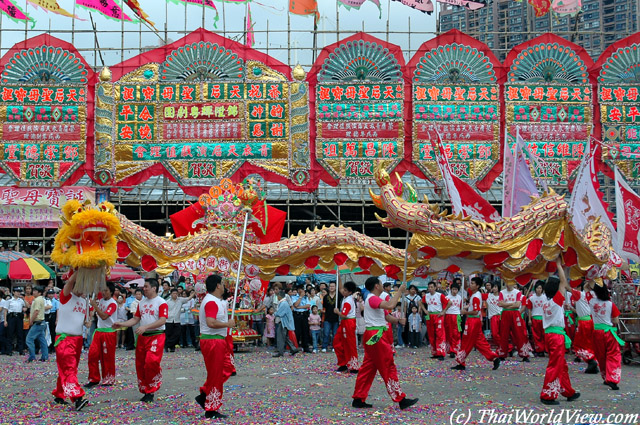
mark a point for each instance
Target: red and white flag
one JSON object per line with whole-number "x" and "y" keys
{"x": 628, "y": 214}
{"x": 464, "y": 199}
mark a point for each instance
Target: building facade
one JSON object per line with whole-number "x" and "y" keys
{"x": 504, "y": 24}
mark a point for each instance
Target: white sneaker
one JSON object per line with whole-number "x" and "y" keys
{"x": 324, "y": 350}
{"x": 315, "y": 351}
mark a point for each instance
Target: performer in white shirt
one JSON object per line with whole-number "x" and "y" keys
{"x": 214, "y": 323}
{"x": 556, "y": 378}
{"x": 535, "y": 303}
{"x": 152, "y": 314}
{"x": 71, "y": 316}
{"x": 103, "y": 345}
{"x": 378, "y": 356}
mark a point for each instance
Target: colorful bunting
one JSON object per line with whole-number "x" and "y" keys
{"x": 209, "y": 3}
{"x": 422, "y": 5}
{"x": 304, "y": 7}
{"x": 135, "y": 6}
{"x": 467, "y": 4}
{"x": 108, "y": 8}
{"x": 566, "y": 7}
{"x": 14, "y": 12}
{"x": 355, "y": 4}
{"x": 251, "y": 39}
{"x": 51, "y": 6}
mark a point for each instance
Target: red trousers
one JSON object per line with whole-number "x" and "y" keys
{"x": 452, "y": 333}
{"x": 473, "y": 337}
{"x": 219, "y": 369}
{"x": 149, "y": 352}
{"x": 377, "y": 358}
{"x": 569, "y": 328}
{"x": 232, "y": 358}
{"x": 583, "y": 340}
{"x": 67, "y": 358}
{"x": 538, "y": 335}
{"x": 511, "y": 325}
{"x": 435, "y": 329}
{"x": 556, "y": 378}
{"x": 607, "y": 351}
{"x": 103, "y": 353}
{"x": 345, "y": 344}
{"x": 388, "y": 335}
{"x": 495, "y": 330}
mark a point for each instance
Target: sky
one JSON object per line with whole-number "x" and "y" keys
{"x": 271, "y": 19}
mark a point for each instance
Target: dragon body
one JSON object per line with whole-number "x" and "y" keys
{"x": 520, "y": 247}
{"x": 320, "y": 248}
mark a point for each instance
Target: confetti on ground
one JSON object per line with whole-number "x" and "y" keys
{"x": 304, "y": 389}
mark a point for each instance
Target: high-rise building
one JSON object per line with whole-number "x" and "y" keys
{"x": 504, "y": 24}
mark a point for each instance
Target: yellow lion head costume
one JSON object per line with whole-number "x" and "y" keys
{"x": 86, "y": 241}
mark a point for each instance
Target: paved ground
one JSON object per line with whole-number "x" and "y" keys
{"x": 305, "y": 390}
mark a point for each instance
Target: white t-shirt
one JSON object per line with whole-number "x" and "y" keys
{"x": 110, "y": 307}
{"x": 510, "y": 296}
{"x": 553, "y": 311}
{"x": 3, "y": 308}
{"x": 493, "y": 309}
{"x": 581, "y": 300}
{"x": 348, "y": 307}
{"x": 603, "y": 311}
{"x": 71, "y": 314}
{"x": 537, "y": 303}
{"x": 374, "y": 316}
{"x": 212, "y": 306}
{"x": 475, "y": 303}
{"x": 435, "y": 303}
{"x": 150, "y": 310}
{"x": 456, "y": 304}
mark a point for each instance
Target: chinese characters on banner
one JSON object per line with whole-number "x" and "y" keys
{"x": 359, "y": 125}
{"x": 468, "y": 120}
{"x": 201, "y": 131}
{"x": 38, "y": 207}
{"x": 555, "y": 122}
{"x": 620, "y": 117}
{"x": 42, "y": 132}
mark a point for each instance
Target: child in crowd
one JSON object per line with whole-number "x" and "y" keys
{"x": 314, "y": 326}
{"x": 397, "y": 313}
{"x": 270, "y": 330}
{"x": 414, "y": 328}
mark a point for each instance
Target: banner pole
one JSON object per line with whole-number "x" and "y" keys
{"x": 404, "y": 272}
{"x": 247, "y": 212}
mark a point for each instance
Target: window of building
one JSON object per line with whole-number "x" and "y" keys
{"x": 620, "y": 27}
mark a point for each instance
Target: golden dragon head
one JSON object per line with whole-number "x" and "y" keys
{"x": 87, "y": 236}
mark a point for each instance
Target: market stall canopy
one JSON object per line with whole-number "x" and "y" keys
{"x": 18, "y": 265}
{"x": 122, "y": 272}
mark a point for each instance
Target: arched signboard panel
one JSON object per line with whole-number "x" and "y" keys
{"x": 202, "y": 109}
{"x": 618, "y": 78}
{"x": 358, "y": 103}
{"x": 45, "y": 112}
{"x": 456, "y": 94}
{"x": 549, "y": 100}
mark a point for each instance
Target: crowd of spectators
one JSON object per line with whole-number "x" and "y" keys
{"x": 308, "y": 310}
